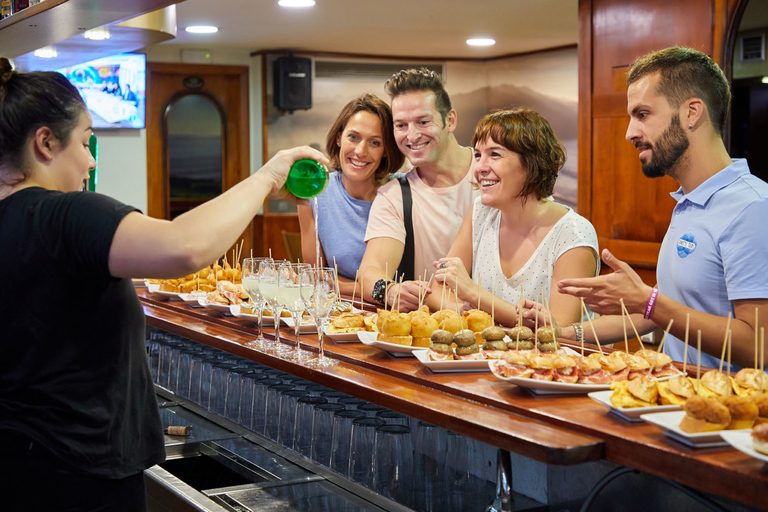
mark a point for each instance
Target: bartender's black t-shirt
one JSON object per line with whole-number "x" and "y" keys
{"x": 73, "y": 369}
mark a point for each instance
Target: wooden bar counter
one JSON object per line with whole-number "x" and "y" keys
{"x": 560, "y": 430}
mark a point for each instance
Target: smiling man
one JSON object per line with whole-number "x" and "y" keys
{"x": 713, "y": 258}
{"x": 439, "y": 186}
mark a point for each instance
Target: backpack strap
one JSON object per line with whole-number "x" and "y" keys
{"x": 408, "y": 261}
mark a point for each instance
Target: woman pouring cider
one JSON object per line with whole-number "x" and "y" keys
{"x": 78, "y": 413}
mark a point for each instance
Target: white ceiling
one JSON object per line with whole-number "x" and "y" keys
{"x": 409, "y": 28}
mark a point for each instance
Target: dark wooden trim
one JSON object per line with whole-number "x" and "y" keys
{"x": 310, "y": 53}
{"x": 264, "y": 108}
{"x": 264, "y": 147}
{"x": 184, "y": 68}
{"x": 584, "y": 170}
{"x": 728, "y": 45}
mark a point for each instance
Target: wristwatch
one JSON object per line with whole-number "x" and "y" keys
{"x": 380, "y": 290}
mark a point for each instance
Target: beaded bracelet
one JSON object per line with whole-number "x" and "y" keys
{"x": 579, "y": 332}
{"x": 651, "y": 303}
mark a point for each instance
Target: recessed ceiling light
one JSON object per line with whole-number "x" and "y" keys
{"x": 296, "y": 3}
{"x": 202, "y": 29}
{"x": 46, "y": 52}
{"x": 97, "y": 34}
{"x": 481, "y": 41}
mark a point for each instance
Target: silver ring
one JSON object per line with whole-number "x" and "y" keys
{"x": 442, "y": 264}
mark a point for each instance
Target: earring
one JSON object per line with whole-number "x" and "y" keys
{"x": 690, "y": 126}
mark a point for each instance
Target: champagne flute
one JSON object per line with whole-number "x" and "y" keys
{"x": 318, "y": 291}
{"x": 268, "y": 272}
{"x": 251, "y": 284}
{"x": 288, "y": 290}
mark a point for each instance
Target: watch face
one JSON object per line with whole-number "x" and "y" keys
{"x": 379, "y": 289}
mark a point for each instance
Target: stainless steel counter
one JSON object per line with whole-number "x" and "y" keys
{"x": 221, "y": 466}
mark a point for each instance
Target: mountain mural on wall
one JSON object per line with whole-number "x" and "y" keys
{"x": 562, "y": 115}
{"x": 470, "y": 107}
{"x": 307, "y": 127}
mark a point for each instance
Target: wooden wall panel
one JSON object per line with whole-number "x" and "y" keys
{"x": 622, "y": 30}
{"x": 629, "y": 211}
{"x": 268, "y": 234}
{"x": 620, "y": 210}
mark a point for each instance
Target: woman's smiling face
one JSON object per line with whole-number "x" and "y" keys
{"x": 500, "y": 173}
{"x": 361, "y": 146}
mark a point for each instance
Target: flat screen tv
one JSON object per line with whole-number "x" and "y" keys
{"x": 114, "y": 89}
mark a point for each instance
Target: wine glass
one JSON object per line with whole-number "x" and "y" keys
{"x": 251, "y": 284}
{"x": 268, "y": 273}
{"x": 288, "y": 291}
{"x": 318, "y": 291}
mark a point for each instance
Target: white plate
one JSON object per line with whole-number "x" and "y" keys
{"x": 742, "y": 441}
{"x": 186, "y": 297}
{"x": 265, "y": 320}
{"x": 547, "y": 387}
{"x": 189, "y": 297}
{"x": 628, "y": 413}
{"x": 393, "y": 349}
{"x": 342, "y": 337}
{"x": 458, "y": 365}
{"x": 155, "y": 288}
{"x": 307, "y": 324}
{"x": 213, "y": 305}
{"x": 461, "y": 365}
{"x": 669, "y": 422}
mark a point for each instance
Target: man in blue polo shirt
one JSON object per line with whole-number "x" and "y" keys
{"x": 713, "y": 262}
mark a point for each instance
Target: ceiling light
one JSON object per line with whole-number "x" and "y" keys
{"x": 46, "y": 52}
{"x": 481, "y": 41}
{"x": 202, "y": 29}
{"x": 765, "y": 80}
{"x": 97, "y": 34}
{"x": 296, "y": 3}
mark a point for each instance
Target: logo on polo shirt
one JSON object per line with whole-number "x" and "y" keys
{"x": 686, "y": 245}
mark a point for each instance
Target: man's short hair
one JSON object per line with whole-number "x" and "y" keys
{"x": 414, "y": 80}
{"x": 529, "y": 134}
{"x": 685, "y": 73}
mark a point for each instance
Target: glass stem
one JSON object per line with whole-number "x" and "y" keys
{"x": 320, "y": 336}
{"x": 297, "y": 323}
{"x": 261, "y": 320}
{"x": 277, "y": 311}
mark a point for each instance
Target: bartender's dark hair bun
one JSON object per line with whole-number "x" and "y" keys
{"x": 6, "y": 70}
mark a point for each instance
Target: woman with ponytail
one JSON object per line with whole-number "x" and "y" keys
{"x": 78, "y": 414}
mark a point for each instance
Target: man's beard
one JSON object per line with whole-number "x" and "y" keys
{"x": 667, "y": 151}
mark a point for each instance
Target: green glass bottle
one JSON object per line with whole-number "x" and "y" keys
{"x": 93, "y": 175}
{"x": 307, "y": 178}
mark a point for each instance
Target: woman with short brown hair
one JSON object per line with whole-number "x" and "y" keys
{"x": 515, "y": 235}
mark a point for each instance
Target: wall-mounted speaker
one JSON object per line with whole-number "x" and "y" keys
{"x": 293, "y": 83}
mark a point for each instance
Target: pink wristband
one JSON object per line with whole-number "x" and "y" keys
{"x": 651, "y": 303}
